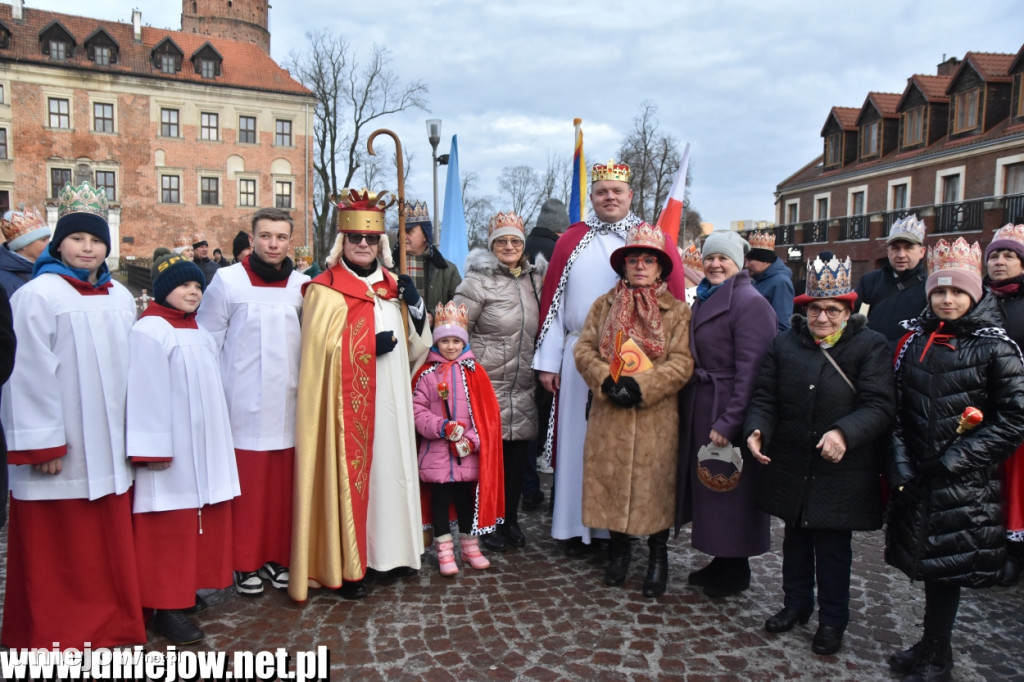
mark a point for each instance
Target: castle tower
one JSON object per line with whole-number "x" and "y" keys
{"x": 242, "y": 20}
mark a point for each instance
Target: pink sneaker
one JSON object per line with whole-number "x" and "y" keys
{"x": 446, "y": 555}
{"x": 471, "y": 552}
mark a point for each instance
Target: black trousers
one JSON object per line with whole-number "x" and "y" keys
{"x": 463, "y": 494}
{"x": 822, "y": 556}
{"x": 514, "y": 456}
{"x": 941, "y": 602}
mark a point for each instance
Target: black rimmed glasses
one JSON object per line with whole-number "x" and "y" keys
{"x": 831, "y": 311}
{"x": 356, "y": 237}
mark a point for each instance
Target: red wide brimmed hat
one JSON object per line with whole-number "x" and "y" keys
{"x": 643, "y": 237}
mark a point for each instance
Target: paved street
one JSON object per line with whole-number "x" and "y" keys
{"x": 536, "y": 615}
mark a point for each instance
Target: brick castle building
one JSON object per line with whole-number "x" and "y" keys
{"x": 187, "y": 131}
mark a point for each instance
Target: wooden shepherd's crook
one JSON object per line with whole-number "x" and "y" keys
{"x": 401, "y": 208}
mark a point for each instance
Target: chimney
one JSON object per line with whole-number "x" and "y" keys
{"x": 17, "y": 10}
{"x": 137, "y": 25}
{"x": 948, "y": 66}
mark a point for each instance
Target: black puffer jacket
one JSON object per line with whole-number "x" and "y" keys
{"x": 798, "y": 397}
{"x": 946, "y": 525}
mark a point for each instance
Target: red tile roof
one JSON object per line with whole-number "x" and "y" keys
{"x": 245, "y": 65}
{"x": 932, "y": 87}
{"x": 884, "y": 102}
{"x": 991, "y": 66}
{"x": 846, "y": 116}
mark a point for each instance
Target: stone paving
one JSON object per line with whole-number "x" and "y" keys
{"x": 538, "y": 615}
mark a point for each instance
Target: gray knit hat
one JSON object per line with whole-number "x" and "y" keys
{"x": 728, "y": 243}
{"x": 553, "y": 216}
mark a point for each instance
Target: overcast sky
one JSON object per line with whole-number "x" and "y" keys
{"x": 747, "y": 83}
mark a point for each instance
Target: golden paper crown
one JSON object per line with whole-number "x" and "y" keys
{"x": 303, "y": 252}
{"x": 691, "y": 257}
{"x": 82, "y": 199}
{"x": 505, "y": 220}
{"x": 361, "y": 210}
{"x": 830, "y": 279}
{"x": 20, "y": 226}
{"x": 182, "y": 240}
{"x": 646, "y": 236}
{"x": 417, "y": 212}
{"x": 1009, "y": 232}
{"x": 451, "y": 315}
{"x": 198, "y": 237}
{"x": 956, "y": 256}
{"x": 610, "y": 171}
{"x": 762, "y": 240}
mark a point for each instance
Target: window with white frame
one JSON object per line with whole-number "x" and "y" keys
{"x": 102, "y": 117}
{"x": 821, "y": 208}
{"x": 283, "y": 133}
{"x": 170, "y": 189}
{"x": 246, "y": 192}
{"x": 169, "y": 123}
{"x": 247, "y": 129}
{"x": 209, "y": 191}
{"x": 282, "y": 194}
{"x": 59, "y": 109}
{"x": 209, "y": 126}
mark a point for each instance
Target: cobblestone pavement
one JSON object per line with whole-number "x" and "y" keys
{"x": 538, "y": 615}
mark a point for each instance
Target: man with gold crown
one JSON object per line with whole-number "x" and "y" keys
{"x": 357, "y": 499}
{"x": 580, "y": 272}
{"x": 771, "y": 277}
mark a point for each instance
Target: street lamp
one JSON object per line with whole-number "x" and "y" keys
{"x": 434, "y": 136}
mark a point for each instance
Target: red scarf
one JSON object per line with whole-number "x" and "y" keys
{"x": 636, "y": 314}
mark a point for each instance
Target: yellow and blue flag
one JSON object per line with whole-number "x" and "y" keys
{"x": 578, "y": 194}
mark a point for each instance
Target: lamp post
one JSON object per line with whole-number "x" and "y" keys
{"x": 434, "y": 136}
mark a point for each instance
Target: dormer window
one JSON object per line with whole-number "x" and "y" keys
{"x": 167, "y": 57}
{"x": 101, "y": 48}
{"x": 869, "y": 139}
{"x": 965, "y": 110}
{"x": 833, "y": 150}
{"x": 913, "y": 127}
{"x": 56, "y": 42}
{"x": 5, "y": 37}
{"x": 206, "y": 61}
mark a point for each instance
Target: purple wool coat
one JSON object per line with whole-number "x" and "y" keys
{"x": 730, "y": 333}
{"x": 436, "y": 461}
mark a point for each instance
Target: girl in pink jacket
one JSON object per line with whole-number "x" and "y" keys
{"x": 458, "y": 418}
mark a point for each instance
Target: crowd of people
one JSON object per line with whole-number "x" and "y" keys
{"x": 269, "y": 422}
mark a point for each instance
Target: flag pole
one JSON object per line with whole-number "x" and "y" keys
{"x": 401, "y": 206}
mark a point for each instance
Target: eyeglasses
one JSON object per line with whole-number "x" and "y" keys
{"x": 505, "y": 241}
{"x": 815, "y": 311}
{"x": 648, "y": 261}
{"x": 371, "y": 239}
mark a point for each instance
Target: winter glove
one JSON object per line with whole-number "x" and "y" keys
{"x": 453, "y": 430}
{"x": 386, "y": 342}
{"x": 407, "y": 290}
{"x": 632, "y": 389}
{"x": 625, "y": 393}
{"x": 463, "y": 447}
{"x": 910, "y": 492}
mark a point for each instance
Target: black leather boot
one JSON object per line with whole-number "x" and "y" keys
{"x": 936, "y": 664}
{"x": 1010, "y": 575}
{"x": 618, "y": 560}
{"x": 905, "y": 661}
{"x": 657, "y": 565}
{"x": 732, "y": 577}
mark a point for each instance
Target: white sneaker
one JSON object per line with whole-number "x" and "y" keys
{"x": 275, "y": 574}
{"x": 248, "y": 583}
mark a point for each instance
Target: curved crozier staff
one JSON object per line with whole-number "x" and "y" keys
{"x": 401, "y": 204}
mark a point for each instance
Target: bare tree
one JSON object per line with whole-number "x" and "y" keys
{"x": 478, "y": 211}
{"x": 350, "y": 96}
{"x": 522, "y": 187}
{"x": 654, "y": 159}
{"x": 556, "y": 182}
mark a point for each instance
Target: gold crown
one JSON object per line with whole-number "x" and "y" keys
{"x": 182, "y": 240}
{"x": 198, "y": 237}
{"x": 82, "y": 199}
{"x": 829, "y": 279}
{"x": 417, "y": 212}
{"x": 646, "y": 236}
{"x": 1009, "y": 232}
{"x": 22, "y": 223}
{"x": 610, "y": 171}
{"x": 956, "y": 256}
{"x": 451, "y": 315}
{"x": 361, "y": 210}
{"x": 691, "y": 257}
{"x": 762, "y": 240}
{"x": 502, "y": 220}
{"x": 303, "y": 252}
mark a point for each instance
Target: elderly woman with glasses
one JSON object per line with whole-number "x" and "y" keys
{"x": 501, "y": 293}
{"x": 634, "y": 354}
{"x": 821, "y": 409}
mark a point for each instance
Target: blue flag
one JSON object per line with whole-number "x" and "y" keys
{"x": 454, "y": 236}
{"x": 578, "y": 193}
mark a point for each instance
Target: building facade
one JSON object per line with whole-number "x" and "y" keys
{"x": 187, "y": 131}
{"x": 949, "y": 148}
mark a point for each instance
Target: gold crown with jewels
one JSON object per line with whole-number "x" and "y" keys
{"x": 610, "y": 171}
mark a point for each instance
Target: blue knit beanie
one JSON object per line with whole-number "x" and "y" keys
{"x": 171, "y": 272}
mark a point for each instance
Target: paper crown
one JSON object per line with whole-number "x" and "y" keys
{"x": 303, "y": 252}
{"x": 691, "y": 257}
{"x": 182, "y": 240}
{"x": 908, "y": 229}
{"x": 1009, "y": 232}
{"x": 610, "y": 171}
{"x": 505, "y": 220}
{"x": 956, "y": 256}
{"x": 416, "y": 212}
{"x": 829, "y": 279}
{"x": 82, "y": 199}
{"x": 198, "y": 238}
{"x": 361, "y": 210}
{"x": 643, "y": 236}
{"x": 21, "y": 228}
{"x": 451, "y": 315}
{"x": 762, "y": 240}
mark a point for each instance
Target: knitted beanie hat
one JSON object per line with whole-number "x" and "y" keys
{"x": 171, "y": 272}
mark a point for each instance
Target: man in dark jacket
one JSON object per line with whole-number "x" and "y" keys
{"x": 771, "y": 277}
{"x": 201, "y": 247}
{"x": 551, "y": 223}
{"x": 434, "y": 277}
{"x": 27, "y": 235}
{"x": 896, "y": 291}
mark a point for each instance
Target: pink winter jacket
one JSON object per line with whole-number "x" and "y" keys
{"x": 437, "y": 463}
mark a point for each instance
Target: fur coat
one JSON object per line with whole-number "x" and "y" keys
{"x": 629, "y": 455}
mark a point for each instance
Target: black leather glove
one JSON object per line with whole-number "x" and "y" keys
{"x": 386, "y": 342}
{"x": 632, "y": 389}
{"x": 619, "y": 393}
{"x": 407, "y": 290}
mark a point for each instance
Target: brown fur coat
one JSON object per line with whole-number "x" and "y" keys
{"x": 629, "y": 455}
